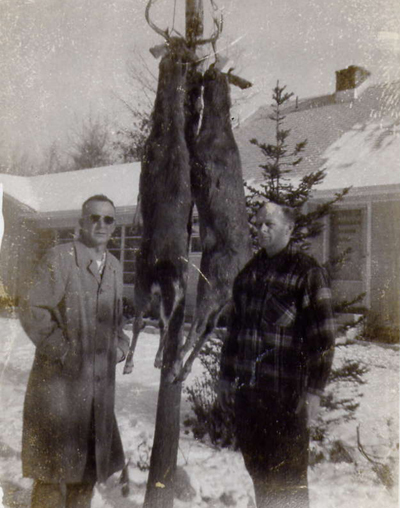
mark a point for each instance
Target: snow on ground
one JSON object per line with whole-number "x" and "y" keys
{"x": 341, "y": 476}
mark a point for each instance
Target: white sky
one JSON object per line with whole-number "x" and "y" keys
{"x": 61, "y": 59}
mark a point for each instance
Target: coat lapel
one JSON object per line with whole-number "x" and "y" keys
{"x": 94, "y": 270}
{"x": 108, "y": 273}
{"x": 84, "y": 260}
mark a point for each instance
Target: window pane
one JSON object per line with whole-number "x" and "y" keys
{"x": 347, "y": 235}
{"x": 117, "y": 232}
{"x": 116, "y": 253}
{"x": 129, "y": 266}
{"x": 131, "y": 231}
{"x": 65, "y": 235}
{"x": 130, "y": 246}
{"x": 129, "y": 278}
{"x": 114, "y": 245}
{"x": 132, "y": 242}
{"x": 130, "y": 254}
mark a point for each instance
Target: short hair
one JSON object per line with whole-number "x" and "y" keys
{"x": 289, "y": 213}
{"x": 97, "y": 197}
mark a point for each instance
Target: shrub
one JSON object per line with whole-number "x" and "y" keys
{"x": 350, "y": 370}
{"x": 208, "y": 418}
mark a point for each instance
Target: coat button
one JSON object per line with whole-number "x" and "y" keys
{"x": 98, "y": 379}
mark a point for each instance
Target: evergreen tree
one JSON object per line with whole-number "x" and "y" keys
{"x": 281, "y": 161}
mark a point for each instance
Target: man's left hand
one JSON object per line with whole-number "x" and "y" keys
{"x": 312, "y": 403}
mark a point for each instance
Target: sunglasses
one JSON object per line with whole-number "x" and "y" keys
{"x": 107, "y": 219}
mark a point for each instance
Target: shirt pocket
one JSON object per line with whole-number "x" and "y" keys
{"x": 279, "y": 310}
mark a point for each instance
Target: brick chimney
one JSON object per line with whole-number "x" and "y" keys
{"x": 349, "y": 81}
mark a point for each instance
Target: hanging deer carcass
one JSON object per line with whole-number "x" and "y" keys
{"x": 217, "y": 186}
{"x": 166, "y": 203}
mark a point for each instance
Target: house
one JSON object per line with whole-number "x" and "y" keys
{"x": 41, "y": 211}
{"x": 354, "y": 135}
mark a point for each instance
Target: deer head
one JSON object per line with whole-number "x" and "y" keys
{"x": 172, "y": 43}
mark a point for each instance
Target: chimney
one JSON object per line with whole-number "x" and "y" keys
{"x": 348, "y": 83}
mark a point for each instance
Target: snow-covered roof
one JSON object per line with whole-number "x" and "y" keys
{"x": 356, "y": 142}
{"x": 366, "y": 155}
{"x": 19, "y": 188}
{"x": 67, "y": 191}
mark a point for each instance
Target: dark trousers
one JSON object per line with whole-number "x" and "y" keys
{"x": 55, "y": 495}
{"x": 69, "y": 495}
{"x": 274, "y": 441}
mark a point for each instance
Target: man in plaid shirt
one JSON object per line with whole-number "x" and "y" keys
{"x": 276, "y": 359}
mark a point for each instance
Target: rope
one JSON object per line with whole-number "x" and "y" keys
{"x": 173, "y": 17}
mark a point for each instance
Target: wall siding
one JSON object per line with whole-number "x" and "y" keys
{"x": 385, "y": 261}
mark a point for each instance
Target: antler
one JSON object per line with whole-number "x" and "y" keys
{"x": 163, "y": 33}
{"x": 218, "y": 23}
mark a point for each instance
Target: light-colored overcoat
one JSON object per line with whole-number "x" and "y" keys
{"x": 74, "y": 317}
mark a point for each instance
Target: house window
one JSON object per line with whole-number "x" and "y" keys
{"x": 346, "y": 236}
{"x": 114, "y": 245}
{"x": 48, "y": 238}
{"x": 65, "y": 235}
{"x": 131, "y": 246}
{"x": 124, "y": 245}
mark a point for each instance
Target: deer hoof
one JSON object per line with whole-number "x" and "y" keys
{"x": 175, "y": 370}
{"x": 128, "y": 368}
{"x": 170, "y": 378}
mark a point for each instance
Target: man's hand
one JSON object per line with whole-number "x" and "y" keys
{"x": 226, "y": 394}
{"x": 312, "y": 403}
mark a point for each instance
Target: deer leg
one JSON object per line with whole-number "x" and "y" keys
{"x": 159, "y": 355}
{"x": 195, "y": 341}
{"x": 187, "y": 367}
{"x": 165, "y": 320}
{"x": 183, "y": 350}
{"x": 138, "y": 325}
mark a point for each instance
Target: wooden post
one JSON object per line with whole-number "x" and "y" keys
{"x": 194, "y": 20}
{"x": 160, "y": 484}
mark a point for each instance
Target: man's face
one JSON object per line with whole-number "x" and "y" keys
{"x": 97, "y": 223}
{"x": 274, "y": 231}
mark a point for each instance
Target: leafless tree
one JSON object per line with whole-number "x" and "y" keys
{"x": 55, "y": 159}
{"x": 17, "y": 161}
{"x": 138, "y": 102}
{"x": 90, "y": 144}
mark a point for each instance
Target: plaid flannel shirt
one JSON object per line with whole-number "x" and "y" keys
{"x": 282, "y": 330}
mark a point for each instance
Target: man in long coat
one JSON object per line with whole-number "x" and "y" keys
{"x": 73, "y": 314}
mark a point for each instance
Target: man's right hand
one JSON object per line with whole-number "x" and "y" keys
{"x": 226, "y": 394}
